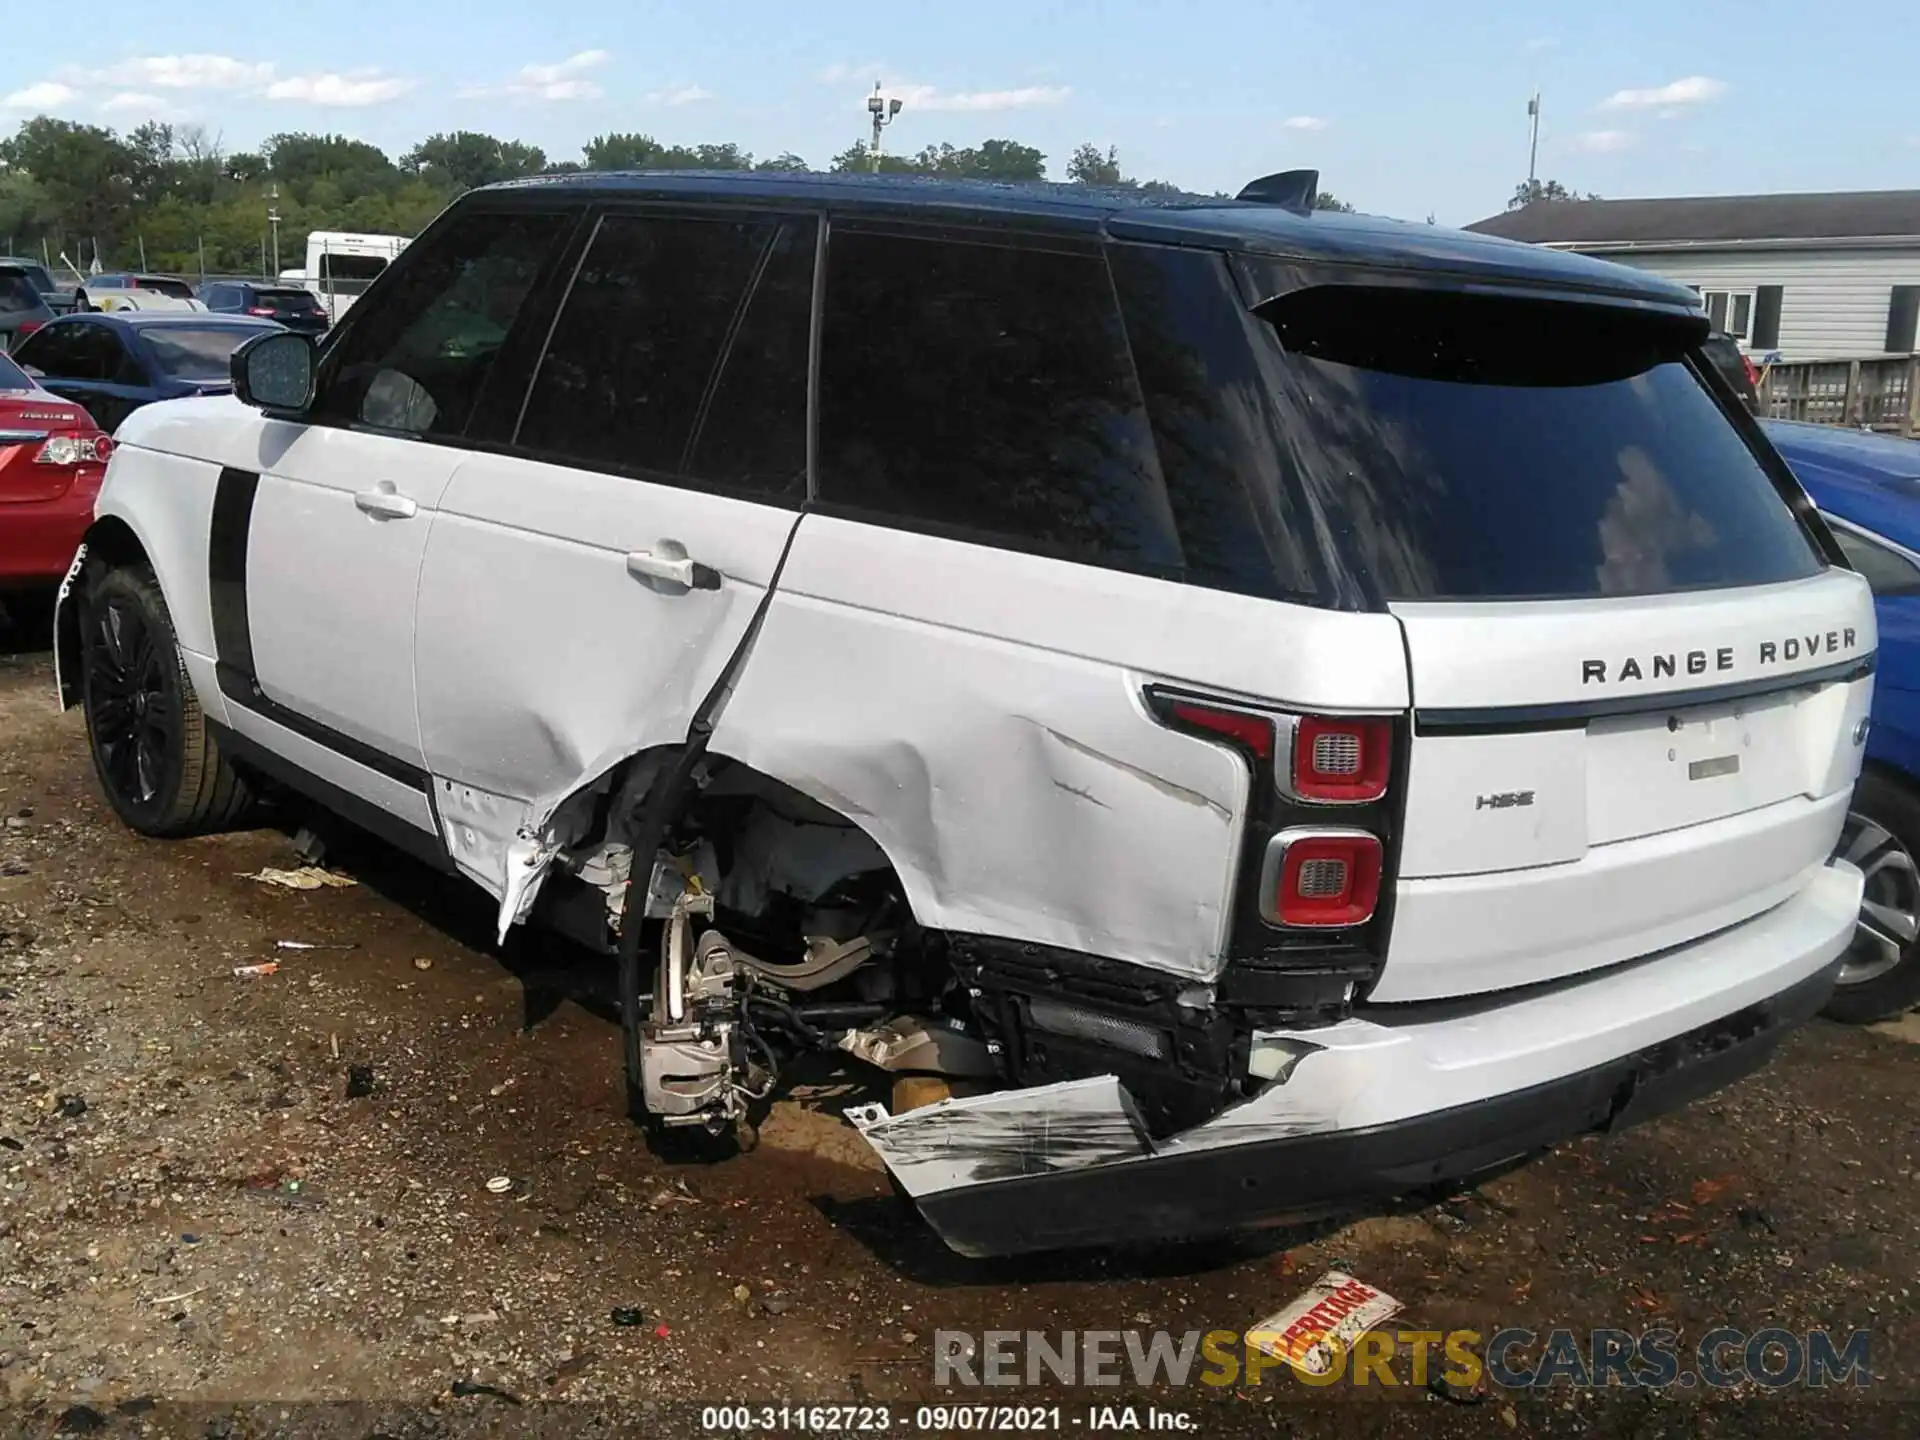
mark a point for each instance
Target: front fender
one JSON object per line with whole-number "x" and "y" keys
{"x": 66, "y": 635}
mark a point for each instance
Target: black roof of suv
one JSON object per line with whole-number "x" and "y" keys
{"x": 1162, "y": 217}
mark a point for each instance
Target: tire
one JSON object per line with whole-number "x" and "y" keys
{"x": 156, "y": 758}
{"x": 1881, "y": 977}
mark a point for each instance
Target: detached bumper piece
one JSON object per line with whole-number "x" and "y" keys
{"x": 1002, "y": 1175}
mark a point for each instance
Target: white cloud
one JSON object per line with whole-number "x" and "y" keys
{"x": 340, "y": 91}
{"x": 1541, "y": 44}
{"x": 680, "y": 95}
{"x": 1694, "y": 90}
{"x": 43, "y": 96}
{"x": 561, "y": 80}
{"x": 138, "y": 104}
{"x": 932, "y": 97}
{"x": 181, "y": 72}
{"x": 1303, "y": 122}
{"x": 1603, "y": 142}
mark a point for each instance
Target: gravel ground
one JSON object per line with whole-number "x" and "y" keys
{"x": 219, "y": 1192}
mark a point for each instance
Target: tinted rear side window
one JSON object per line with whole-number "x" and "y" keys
{"x": 682, "y": 351}
{"x": 1478, "y": 447}
{"x": 984, "y": 390}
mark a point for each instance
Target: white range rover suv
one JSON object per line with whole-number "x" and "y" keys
{"x": 1235, "y": 710}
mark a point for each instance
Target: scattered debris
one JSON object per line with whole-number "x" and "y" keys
{"x": 628, "y": 1316}
{"x": 497, "y": 1091}
{"x": 313, "y": 945}
{"x": 183, "y": 1295}
{"x": 72, "y": 1106}
{"x": 461, "y": 1389}
{"x": 661, "y": 1332}
{"x": 7, "y": 1142}
{"x": 677, "y": 1193}
{"x": 776, "y": 1306}
{"x": 742, "y": 1294}
{"x": 1707, "y": 1191}
{"x": 1752, "y": 1216}
{"x": 308, "y": 845}
{"x": 500, "y": 1184}
{"x": 359, "y": 1081}
{"x": 1438, "y": 1384}
{"x": 307, "y": 877}
{"x": 80, "y": 1420}
{"x": 253, "y": 972}
{"x": 1336, "y": 1307}
{"x": 422, "y": 962}
{"x": 333, "y": 1042}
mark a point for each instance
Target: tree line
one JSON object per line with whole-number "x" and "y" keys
{"x": 171, "y": 198}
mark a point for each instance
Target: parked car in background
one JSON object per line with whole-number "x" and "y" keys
{"x": 52, "y": 456}
{"x": 589, "y": 559}
{"x": 1868, "y": 487}
{"x": 115, "y": 363}
{"x": 86, "y": 295}
{"x": 22, "y": 308}
{"x": 1732, "y": 363}
{"x": 59, "y": 301}
{"x": 291, "y": 306}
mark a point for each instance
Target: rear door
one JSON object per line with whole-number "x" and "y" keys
{"x": 1636, "y": 684}
{"x": 593, "y": 570}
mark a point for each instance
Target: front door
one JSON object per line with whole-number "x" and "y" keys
{"x": 327, "y": 537}
{"x": 588, "y": 580}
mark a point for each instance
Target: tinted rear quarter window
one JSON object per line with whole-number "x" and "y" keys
{"x": 983, "y": 389}
{"x": 1478, "y": 447}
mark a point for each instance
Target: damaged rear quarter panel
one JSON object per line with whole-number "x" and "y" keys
{"x": 979, "y": 713}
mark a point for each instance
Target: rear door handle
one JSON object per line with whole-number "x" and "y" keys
{"x": 385, "y": 503}
{"x": 669, "y": 561}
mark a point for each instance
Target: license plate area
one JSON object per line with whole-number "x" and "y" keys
{"x": 1662, "y": 769}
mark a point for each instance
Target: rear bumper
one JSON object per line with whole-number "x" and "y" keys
{"x": 38, "y": 537}
{"x": 1403, "y": 1098}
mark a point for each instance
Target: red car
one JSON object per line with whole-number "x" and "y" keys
{"x": 52, "y": 457}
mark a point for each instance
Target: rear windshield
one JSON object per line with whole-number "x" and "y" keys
{"x": 17, "y": 292}
{"x": 197, "y": 354}
{"x": 12, "y": 377}
{"x": 288, "y": 299}
{"x": 1478, "y": 447}
{"x": 179, "y": 289}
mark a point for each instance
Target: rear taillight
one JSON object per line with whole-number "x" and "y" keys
{"x": 1321, "y": 879}
{"x": 26, "y": 327}
{"x": 75, "y": 450}
{"x": 265, "y": 310}
{"x": 1253, "y": 731}
{"x": 1329, "y": 761}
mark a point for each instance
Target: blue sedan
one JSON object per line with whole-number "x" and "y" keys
{"x": 114, "y": 363}
{"x": 1868, "y": 487}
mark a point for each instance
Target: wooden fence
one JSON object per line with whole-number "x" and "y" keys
{"x": 1879, "y": 395}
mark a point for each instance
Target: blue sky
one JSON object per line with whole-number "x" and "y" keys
{"x": 1407, "y": 107}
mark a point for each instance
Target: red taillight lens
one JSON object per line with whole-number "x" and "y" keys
{"x": 26, "y": 327}
{"x": 1321, "y": 879}
{"x": 74, "y": 450}
{"x": 1253, "y": 731}
{"x": 260, "y": 310}
{"x": 1340, "y": 762}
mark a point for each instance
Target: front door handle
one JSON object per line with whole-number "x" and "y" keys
{"x": 383, "y": 502}
{"x": 669, "y": 561}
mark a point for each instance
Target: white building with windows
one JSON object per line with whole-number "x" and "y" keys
{"x": 1792, "y": 277}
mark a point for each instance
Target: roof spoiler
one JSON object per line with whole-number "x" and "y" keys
{"x": 1289, "y": 189}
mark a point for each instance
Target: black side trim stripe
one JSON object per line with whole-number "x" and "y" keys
{"x": 369, "y": 817}
{"x": 1568, "y": 715}
{"x": 233, "y": 636}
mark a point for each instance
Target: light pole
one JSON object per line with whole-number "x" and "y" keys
{"x": 273, "y": 220}
{"x": 1533, "y": 142}
{"x": 883, "y": 111}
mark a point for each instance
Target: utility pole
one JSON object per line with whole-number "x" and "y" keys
{"x": 1533, "y": 143}
{"x": 883, "y": 111}
{"x": 273, "y": 219}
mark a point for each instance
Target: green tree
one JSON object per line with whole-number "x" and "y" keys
{"x": 1327, "y": 200}
{"x": 621, "y": 152}
{"x": 25, "y": 207}
{"x": 299, "y": 160}
{"x": 87, "y": 172}
{"x": 786, "y": 160}
{"x": 1530, "y": 192}
{"x": 1089, "y": 166}
{"x": 466, "y": 160}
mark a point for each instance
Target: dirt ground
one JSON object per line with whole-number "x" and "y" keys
{"x": 207, "y": 1228}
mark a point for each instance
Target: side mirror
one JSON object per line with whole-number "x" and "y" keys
{"x": 274, "y": 371}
